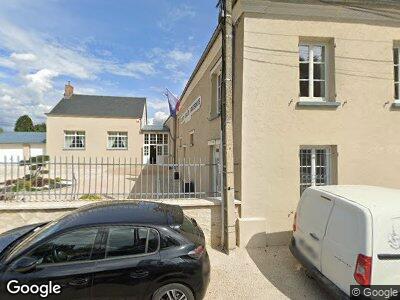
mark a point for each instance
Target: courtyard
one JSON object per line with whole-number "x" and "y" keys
{"x": 260, "y": 273}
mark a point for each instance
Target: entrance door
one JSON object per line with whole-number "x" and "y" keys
{"x": 216, "y": 170}
{"x": 153, "y": 154}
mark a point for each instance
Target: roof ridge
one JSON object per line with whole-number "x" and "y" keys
{"x": 110, "y": 96}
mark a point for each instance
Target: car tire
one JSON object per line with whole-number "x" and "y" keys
{"x": 175, "y": 290}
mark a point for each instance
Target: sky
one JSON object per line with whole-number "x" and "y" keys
{"x": 104, "y": 47}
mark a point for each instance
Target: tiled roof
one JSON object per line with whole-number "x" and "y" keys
{"x": 23, "y": 138}
{"x": 155, "y": 127}
{"x": 100, "y": 106}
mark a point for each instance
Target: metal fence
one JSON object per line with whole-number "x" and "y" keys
{"x": 63, "y": 179}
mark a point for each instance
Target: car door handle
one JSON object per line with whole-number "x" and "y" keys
{"x": 79, "y": 281}
{"x": 314, "y": 236}
{"x": 139, "y": 274}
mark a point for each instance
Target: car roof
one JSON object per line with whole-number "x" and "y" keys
{"x": 375, "y": 198}
{"x": 123, "y": 212}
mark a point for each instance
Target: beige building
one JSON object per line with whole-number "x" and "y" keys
{"x": 90, "y": 127}
{"x": 316, "y": 98}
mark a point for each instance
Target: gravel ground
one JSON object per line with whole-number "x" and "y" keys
{"x": 262, "y": 273}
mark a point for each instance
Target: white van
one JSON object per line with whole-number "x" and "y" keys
{"x": 349, "y": 235}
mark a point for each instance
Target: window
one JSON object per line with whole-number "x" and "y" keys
{"x": 74, "y": 139}
{"x": 191, "y": 138}
{"x": 160, "y": 138}
{"x": 70, "y": 247}
{"x": 152, "y": 138}
{"x": 219, "y": 93}
{"x": 125, "y": 240}
{"x": 159, "y": 150}
{"x": 146, "y": 138}
{"x": 146, "y": 150}
{"x": 166, "y": 139}
{"x": 312, "y": 68}
{"x": 315, "y": 167}
{"x": 396, "y": 54}
{"x": 165, "y": 149}
{"x": 117, "y": 140}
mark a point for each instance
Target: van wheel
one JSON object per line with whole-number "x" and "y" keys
{"x": 173, "y": 291}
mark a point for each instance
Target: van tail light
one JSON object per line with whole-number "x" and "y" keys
{"x": 363, "y": 271}
{"x": 295, "y": 221}
{"x": 197, "y": 253}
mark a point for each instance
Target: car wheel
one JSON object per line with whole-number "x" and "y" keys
{"x": 173, "y": 291}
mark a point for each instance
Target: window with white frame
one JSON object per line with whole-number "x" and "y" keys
{"x": 191, "y": 138}
{"x": 396, "y": 57}
{"x": 315, "y": 167}
{"x": 313, "y": 73}
{"x": 159, "y": 139}
{"x": 74, "y": 139}
{"x": 117, "y": 140}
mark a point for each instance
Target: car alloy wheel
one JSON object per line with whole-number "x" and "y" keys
{"x": 174, "y": 294}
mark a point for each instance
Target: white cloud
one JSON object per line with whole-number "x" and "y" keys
{"x": 180, "y": 56}
{"x": 158, "y": 104}
{"x": 176, "y": 14}
{"x": 41, "y": 81}
{"x": 23, "y": 56}
{"x": 132, "y": 69}
{"x": 159, "y": 118}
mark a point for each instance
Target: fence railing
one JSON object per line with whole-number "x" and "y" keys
{"x": 43, "y": 178}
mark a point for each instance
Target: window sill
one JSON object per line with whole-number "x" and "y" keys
{"x": 116, "y": 149}
{"x": 74, "y": 149}
{"x": 325, "y": 104}
{"x": 396, "y": 104}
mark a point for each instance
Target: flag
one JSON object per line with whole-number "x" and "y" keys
{"x": 173, "y": 102}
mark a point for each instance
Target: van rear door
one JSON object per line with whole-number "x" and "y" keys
{"x": 312, "y": 218}
{"x": 348, "y": 234}
{"x": 386, "y": 245}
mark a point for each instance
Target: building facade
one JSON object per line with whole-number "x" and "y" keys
{"x": 316, "y": 98}
{"x": 105, "y": 127}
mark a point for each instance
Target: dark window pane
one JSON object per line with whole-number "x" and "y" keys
{"x": 126, "y": 241}
{"x": 303, "y": 53}
{"x": 73, "y": 246}
{"x": 396, "y": 73}
{"x": 396, "y": 91}
{"x": 319, "y": 53}
{"x": 168, "y": 241}
{"x": 319, "y": 71}
{"x": 153, "y": 241}
{"x": 319, "y": 89}
{"x": 304, "y": 89}
{"x": 304, "y": 71}
{"x": 396, "y": 56}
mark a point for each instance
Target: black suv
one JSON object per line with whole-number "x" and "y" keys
{"x": 109, "y": 250}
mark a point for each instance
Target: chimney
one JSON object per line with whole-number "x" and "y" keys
{"x": 69, "y": 90}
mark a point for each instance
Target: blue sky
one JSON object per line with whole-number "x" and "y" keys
{"x": 119, "y": 47}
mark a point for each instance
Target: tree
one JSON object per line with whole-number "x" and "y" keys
{"x": 24, "y": 124}
{"x": 1, "y": 130}
{"x": 40, "y": 127}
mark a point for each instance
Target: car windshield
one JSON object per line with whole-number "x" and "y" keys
{"x": 36, "y": 236}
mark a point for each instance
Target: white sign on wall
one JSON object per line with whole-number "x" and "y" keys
{"x": 187, "y": 115}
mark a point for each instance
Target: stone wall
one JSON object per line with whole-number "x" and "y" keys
{"x": 206, "y": 212}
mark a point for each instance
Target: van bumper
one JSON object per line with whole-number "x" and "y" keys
{"x": 328, "y": 285}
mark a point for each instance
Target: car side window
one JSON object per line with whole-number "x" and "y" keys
{"x": 127, "y": 240}
{"x": 72, "y": 246}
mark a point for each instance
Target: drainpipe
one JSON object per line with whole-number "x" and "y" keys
{"x": 228, "y": 190}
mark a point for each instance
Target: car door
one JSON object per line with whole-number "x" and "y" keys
{"x": 312, "y": 215}
{"x": 63, "y": 260}
{"x": 131, "y": 261}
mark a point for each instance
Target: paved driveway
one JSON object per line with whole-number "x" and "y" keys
{"x": 263, "y": 273}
